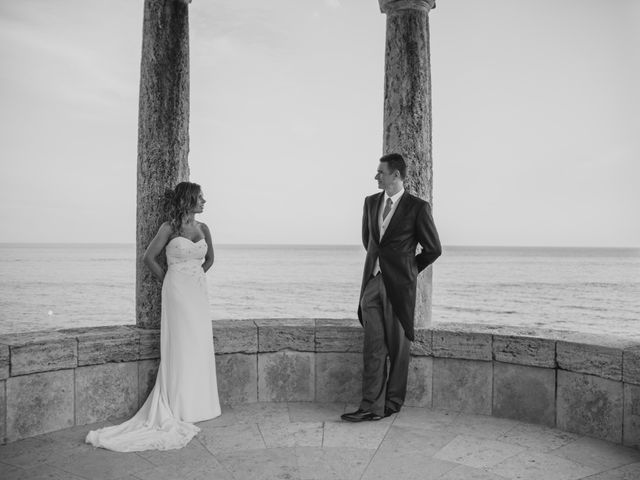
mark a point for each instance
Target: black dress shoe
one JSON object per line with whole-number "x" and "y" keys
{"x": 360, "y": 416}
{"x": 389, "y": 411}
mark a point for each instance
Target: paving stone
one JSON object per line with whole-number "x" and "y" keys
{"x": 103, "y": 391}
{"x": 294, "y": 434}
{"x": 237, "y": 375}
{"x": 338, "y": 377}
{"x": 235, "y": 336}
{"x": 419, "y": 441}
{"x": 462, "y": 472}
{"x": 338, "y": 335}
{"x": 240, "y": 436}
{"x": 45, "y": 351}
{"x": 463, "y": 344}
{"x": 147, "y": 373}
{"x": 628, "y": 472}
{"x": 149, "y": 343}
{"x": 4, "y": 361}
{"x": 70, "y": 439}
{"x": 538, "y": 437}
{"x": 407, "y": 466}
{"x": 407, "y": 444}
{"x": 597, "y": 454}
{"x": 35, "y": 451}
{"x": 267, "y": 464}
{"x": 631, "y": 365}
{"x": 332, "y": 463}
{"x": 101, "y": 464}
{"x": 262, "y": 413}
{"x": 477, "y": 452}
{"x": 419, "y": 382}
{"x": 591, "y": 358}
{"x": 228, "y": 417}
{"x": 98, "y": 345}
{"x": 40, "y": 472}
{"x": 462, "y": 385}
{"x": 286, "y": 376}
{"x": 589, "y": 405}
{"x": 536, "y": 465}
{"x": 424, "y": 418}
{"x": 39, "y": 403}
{"x": 286, "y": 334}
{"x": 422, "y": 343}
{"x": 482, "y": 426}
{"x": 345, "y": 434}
{"x": 524, "y": 393}
{"x": 193, "y": 462}
{"x": 314, "y": 412}
{"x": 525, "y": 350}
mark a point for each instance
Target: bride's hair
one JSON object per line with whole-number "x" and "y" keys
{"x": 179, "y": 202}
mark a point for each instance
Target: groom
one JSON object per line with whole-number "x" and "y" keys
{"x": 393, "y": 223}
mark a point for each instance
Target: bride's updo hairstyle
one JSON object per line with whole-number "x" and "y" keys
{"x": 179, "y": 202}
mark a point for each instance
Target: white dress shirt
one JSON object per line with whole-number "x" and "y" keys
{"x": 384, "y": 223}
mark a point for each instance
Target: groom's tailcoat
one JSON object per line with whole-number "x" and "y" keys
{"x": 410, "y": 225}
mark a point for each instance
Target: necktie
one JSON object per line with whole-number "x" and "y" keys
{"x": 387, "y": 208}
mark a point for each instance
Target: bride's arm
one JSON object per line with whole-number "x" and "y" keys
{"x": 208, "y": 259}
{"x": 155, "y": 247}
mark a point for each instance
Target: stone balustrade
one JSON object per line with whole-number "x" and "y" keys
{"x": 579, "y": 383}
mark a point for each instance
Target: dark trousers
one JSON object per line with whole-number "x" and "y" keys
{"x": 383, "y": 338}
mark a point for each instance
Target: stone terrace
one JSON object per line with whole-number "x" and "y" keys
{"x": 305, "y": 440}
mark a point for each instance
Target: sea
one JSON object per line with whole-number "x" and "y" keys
{"x": 593, "y": 290}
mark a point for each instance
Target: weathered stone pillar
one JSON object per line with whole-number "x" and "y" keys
{"x": 407, "y": 109}
{"x": 163, "y": 134}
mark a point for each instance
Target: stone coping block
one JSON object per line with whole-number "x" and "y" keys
{"x": 462, "y": 344}
{"x": 40, "y": 352}
{"x": 592, "y": 354}
{"x": 105, "y": 344}
{"x": 4, "y": 362}
{"x": 235, "y": 336}
{"x": 338, "y": 335}
{"x": 422, "y": 345}
{"x": 525, "y": 350}
{"x": 286, "y": 334}
{"x": 631, "y": 365}
{"x": 149, "y": 340}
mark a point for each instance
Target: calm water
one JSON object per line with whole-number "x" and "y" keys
{"x": 592, "y": 290}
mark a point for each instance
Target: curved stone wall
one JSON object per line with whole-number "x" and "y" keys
{"x": 580, "y": 383}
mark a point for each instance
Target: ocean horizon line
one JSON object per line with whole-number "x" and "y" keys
{"x": 325, "y": 245}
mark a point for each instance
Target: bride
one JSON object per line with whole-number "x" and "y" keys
{"x": 186, "y": 388}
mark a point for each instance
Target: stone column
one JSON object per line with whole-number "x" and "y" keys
{"x": 163, "y": 134}
{"x": 407, "y": 109}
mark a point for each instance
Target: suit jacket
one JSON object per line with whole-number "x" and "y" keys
{"x": 410, "y": 225}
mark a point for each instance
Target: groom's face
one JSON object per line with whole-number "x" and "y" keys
{"x": 385, "y": 177}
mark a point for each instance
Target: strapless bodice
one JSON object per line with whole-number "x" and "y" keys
{"x": 186, "y": 256}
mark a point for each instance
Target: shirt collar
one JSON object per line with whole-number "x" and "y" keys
{"x": 394, "y": 198}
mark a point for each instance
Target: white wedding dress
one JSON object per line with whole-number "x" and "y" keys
{"x": 186, "y": 388}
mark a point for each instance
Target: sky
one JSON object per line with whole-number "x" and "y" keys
{"x": 536, "y": 119}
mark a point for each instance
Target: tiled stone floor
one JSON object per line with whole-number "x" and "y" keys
{"x": 305, "y": 441}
